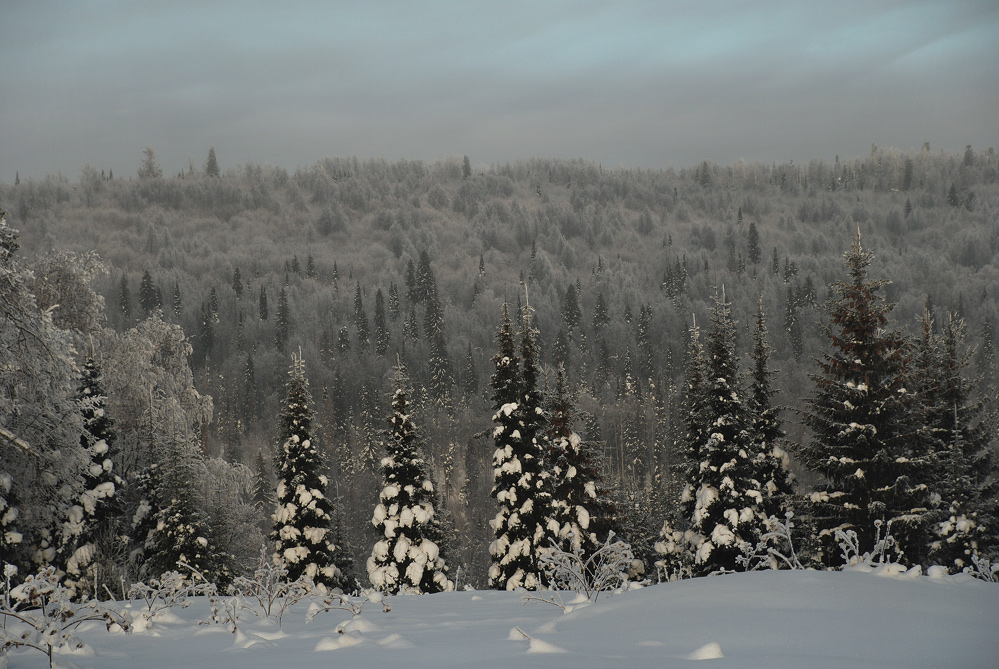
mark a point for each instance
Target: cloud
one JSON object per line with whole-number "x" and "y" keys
{"x": 632, "y": 83}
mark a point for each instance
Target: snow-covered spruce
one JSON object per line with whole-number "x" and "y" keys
{"x": 865, "y": 443}
{"x": 580, "y": 503}
{"x": 964, "y": 502}
{"x": 523, "y": 526}
{"x": 98, "y": 508}
{"x": 303, "y": 519}
{"x": 405, "y": 559}
{"x": 722, "y": 500}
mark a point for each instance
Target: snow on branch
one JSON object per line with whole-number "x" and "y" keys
{"x": 41, "y": 614}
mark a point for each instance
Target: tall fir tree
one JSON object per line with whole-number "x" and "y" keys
{"x": 87, "y": 557}
{"x": 381, "y": 326}
{"x": 863, "y": 441}
{"x": 523, "y": 527}
{"x": 580, "y": 503}
{"x": 406, "y": 558}
{"x": 301, "y": 533}
{"x": 771, "y": 459}
{"x": 282, "y": 329}
{"x": 361, "y": 321}
{"x": 964, "y": 514}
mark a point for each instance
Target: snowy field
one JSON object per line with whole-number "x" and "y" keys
{"x": 756, "y": 619}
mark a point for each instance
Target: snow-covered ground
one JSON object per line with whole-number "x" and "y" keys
{"x": 757, "y": 619}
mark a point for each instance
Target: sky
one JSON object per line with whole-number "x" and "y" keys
{"x": 625, "y": 83}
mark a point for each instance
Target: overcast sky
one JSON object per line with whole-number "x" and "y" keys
{"x": 650, "y": 84}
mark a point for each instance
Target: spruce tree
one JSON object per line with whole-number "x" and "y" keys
{"x": 723, "y": 497}
{"x": 124, "y": 297}
{"x": 212, "y": 166}
{"x": 304, "y": 515}
{"x": 381, "y": 327}
{"x": 179, "y": 535}
{"x": 964, "y": 514}
{"x": 147, "y": 293}
{"x": 101, "y": 486}
{"x": 405, "y": 559}
{"x": 580, "y": 503}
{"x": 360, "y": 321}
{"x": 771, "y": 460}
{"x": 523, "y": 526}
{"x": 237, "y": 284}
{"x": 863, "y": 442}
{"x": 282, "y": 328}
{"x": 263, "y": 304}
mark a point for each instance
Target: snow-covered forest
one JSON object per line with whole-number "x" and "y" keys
{"x": 420, "y": 378}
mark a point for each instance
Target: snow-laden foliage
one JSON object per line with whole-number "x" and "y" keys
{"x": 268, "y": 592}
{"x": 602, "y": 570}
{"x": 964, "y": 502}
{"x": 405, "y": 559}
{"x": 580, "y": 502}
{"x": 174, "y": 532}
{"x": 303, "y": 520}
{"x": 864, "y": 443}
{"x": 775, "y": 549}
{"x": 885, "y": 555}
{"x": 88, "y": 558}
{"x": 722, "y": 503}
{"x": 41, "y": 614}
{"x": 523, "y": 526}
{"x": 43, "y": 498}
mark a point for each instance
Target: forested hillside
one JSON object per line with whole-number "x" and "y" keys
{"x": 363, "y": 264}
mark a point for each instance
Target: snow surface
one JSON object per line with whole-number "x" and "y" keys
{"x": 757, "y": 619}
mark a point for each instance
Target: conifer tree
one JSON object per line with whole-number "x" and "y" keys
{"x": 283, "y": 326}
{"x": 381, "y": 327}
{"x": 723, "y": 497}
{"x": 176, "y": 300}
{"x": 360, "y": 321}
{"x": 237, "y": 284}
{"x": 212, "y": 166}
{"x": 471, "y": 376}
{"x": 263, "y": 304}
{"x": 147, "y": 293}
{"x": 180, "y": 534}
{"x": 964, "y": 514}
{"x": 124, "y": 297}
{"x": 523, "y": 526}
{"x": 303, "y": 519}
{"x": 101, "y": 486}
{"x": 580, "y": 504}
{"x": 601, "y": 316}
{"x": 441, "y": 369}
{"x": 863, "y": 442}
{"x": 772, "y": 462}
{"x": 570, "y": 308}
{"x": 405, "y": 559}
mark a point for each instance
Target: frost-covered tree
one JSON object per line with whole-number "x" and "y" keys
{"x": 523, "y": 527}
{"x": 405, "y": 559}
{"x": 964, "y": 514}
{"x": 580, "y": 503}
{"x": 178, "y": 534}
{"x": 301, "y": 533}
{"x": 381, "y": 326}
{"x": 86, "y": 556}
{"x": 772, "y": 463}
{"x": 41, "y": 462}
{"x": 863, "y": 441}
{"x": 722, "y": 501}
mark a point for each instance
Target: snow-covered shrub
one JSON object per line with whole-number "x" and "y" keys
{"x": 983, "y": 569}
{"x": 604, "y": 569}
{"x": 40, "y": 613}
{"x": 170, "y": 590}
{"x": 775, "y": 549}
{"x": 268, "y": 592}
{"x": 886, "y": 556}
